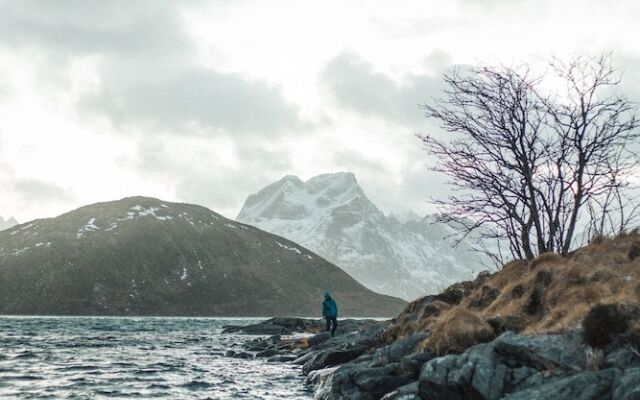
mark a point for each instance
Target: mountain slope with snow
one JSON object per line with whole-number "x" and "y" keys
{"x": 141, "y": 256}
{"x": 404, "y": 255}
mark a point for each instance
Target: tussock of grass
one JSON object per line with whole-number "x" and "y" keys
{"x": 550, "y": 294}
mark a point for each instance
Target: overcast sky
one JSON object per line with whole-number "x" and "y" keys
{"x": 207, "y": 102}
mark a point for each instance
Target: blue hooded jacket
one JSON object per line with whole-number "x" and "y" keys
{"x": 329, "y": 307}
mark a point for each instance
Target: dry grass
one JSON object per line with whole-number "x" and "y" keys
{"x": 457, "y": 330}
{"x": 551, "y": 294}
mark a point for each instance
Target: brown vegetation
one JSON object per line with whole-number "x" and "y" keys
{"x": 549, "y": 294}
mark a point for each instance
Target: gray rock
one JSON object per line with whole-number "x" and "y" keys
{"x": 396, "y": 351}
{"x": 508, "y": 364}
{"x": 627, "y": 386}
{"x": 565, "y": 351}
{"x": 588, "y": 385}
{"x": 266, "y": 353}
{"x": 406, "y": 392}
{"x": 318, "y": 338}
{"x": 382, "y": 380}
{"x": 622, "y": 358}
{"x": 329, "y": 358}
{"x": 304, "y": 358}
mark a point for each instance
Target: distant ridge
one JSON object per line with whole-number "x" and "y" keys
{"x": 402, "y": 254}
{"x": 141, "y": 256}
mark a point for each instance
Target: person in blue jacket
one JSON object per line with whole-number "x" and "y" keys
{"x": 330, "y": 313}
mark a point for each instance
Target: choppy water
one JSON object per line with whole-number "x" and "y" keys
{"x": 147, "y": 357}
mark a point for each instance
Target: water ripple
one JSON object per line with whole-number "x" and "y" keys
{"x": 146, "y": 357}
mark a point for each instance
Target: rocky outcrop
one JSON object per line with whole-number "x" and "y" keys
{"x": 358, "y": 364}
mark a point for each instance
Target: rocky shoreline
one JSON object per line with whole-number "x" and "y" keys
{"x": 360, "y": 364}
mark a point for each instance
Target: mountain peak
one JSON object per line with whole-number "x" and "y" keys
{"x": 292, "y": 199}
{"x": 402, "y": 254}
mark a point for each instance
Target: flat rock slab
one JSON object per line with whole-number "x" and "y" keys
{"x": 288, "y": 326}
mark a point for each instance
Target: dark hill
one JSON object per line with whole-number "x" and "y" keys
{"x": 142, "y": 256}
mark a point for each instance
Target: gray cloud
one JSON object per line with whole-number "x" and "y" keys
{"x": 38, "y": 191}
{"x": 200, "y": 180}
{"x": 193, "y": 97}
{"x": 147, "y": 65}
{"x": 353, "y": 85}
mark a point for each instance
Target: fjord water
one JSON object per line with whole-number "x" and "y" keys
{"x": 134, "y": 357}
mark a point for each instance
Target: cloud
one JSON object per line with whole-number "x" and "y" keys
{"x": 37, "y": 191}
{"x": 148, "y": 72}
{"x": 354, "y": 85}
{"x": 205, "y": 177}
{"x": 191, "y": 100}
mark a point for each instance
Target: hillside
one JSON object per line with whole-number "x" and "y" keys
{"x": 550, "y": 294}
{"x": 554, "y": 328}
{"x": 330, "y": 214}
{"x": 140, "y": 256}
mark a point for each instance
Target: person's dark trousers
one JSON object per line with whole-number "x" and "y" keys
{"x": 335, "y": 325}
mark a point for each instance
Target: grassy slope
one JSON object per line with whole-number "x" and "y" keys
{"x": 549, "y": 294}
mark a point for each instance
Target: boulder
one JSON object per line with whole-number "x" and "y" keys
{"x": 329, "y": 358}
{"x": 621, "y": 358}
{"x": 543, "y": 352}
{"x": 627, "y": 386}
{"x": 360, "y": 380}
{"x": 508, "y": 364}
{"x": 318, "y": 338}
{"x": 406, "y": 392}
{"x": 588, "y": 385}
{"x": 397, "y": 350}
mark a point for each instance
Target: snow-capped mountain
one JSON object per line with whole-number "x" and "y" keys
{"x": 401, "y": 255}
{"x": 8, "y": 223}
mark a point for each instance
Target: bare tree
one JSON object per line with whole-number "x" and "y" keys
{"x": 525, "y": 166}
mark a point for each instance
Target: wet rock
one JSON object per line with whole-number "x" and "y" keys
{"x": 366, "y": 379}
{"x": 257, "y": 329}
{"x": 238, "y": 354}
{"x": 288, "y": 326}
{"x": 304, "y": 358}
{"x": 406, "y": 392}
{"x": 329, "y": 358}
{"x": 281, "y": 358}
{"x": 266, "y": 353}
{"x": 319, "y": 376}
{"x": 318, "y": 338}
